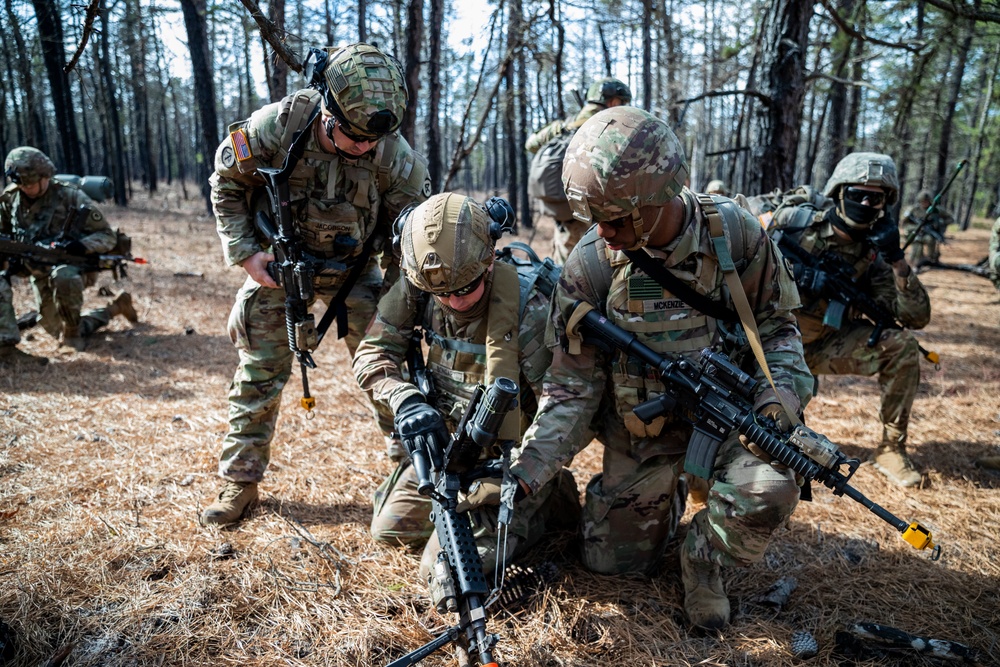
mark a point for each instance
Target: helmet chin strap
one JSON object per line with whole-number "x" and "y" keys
{"x": 643, "y": 239}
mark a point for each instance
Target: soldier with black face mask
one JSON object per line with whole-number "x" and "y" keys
{"x": 853, "y": 221}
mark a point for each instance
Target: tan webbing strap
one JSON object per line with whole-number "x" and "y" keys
{"x": 573, "y": 327}
{"x": 739, "y": 297}
{"x": 502, "y": 329}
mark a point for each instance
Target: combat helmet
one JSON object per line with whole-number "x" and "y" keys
{"x": 603, "y": 90}
{"x": 446, "y": 243}
{"x": 925, "y": 196}
{"x": 26, "y": 166}
{"x": 362, "y": 88}
{"x": 620, "y": 160}
{"x": 873, "y": 169}
{"x": 716, "y": 187}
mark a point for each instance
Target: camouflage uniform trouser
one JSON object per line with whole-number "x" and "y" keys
{"x": 59, "y": 298}
{"x": 257, "y": 329}
{"x": 9, "y": 333}
{"x": 402, "y": 516}
{"x": 895, "y": 358}
{"x": 630, "y": 513}
{"x": 567, "y": 234}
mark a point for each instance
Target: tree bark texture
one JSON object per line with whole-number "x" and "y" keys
{"x": 196, "y": 26}
{"x": 51, "y": 35}
{"x": 434, "y": 97}
{"x": 414, "y": 43}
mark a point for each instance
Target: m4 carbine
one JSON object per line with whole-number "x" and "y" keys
{"x": 458, "y": 584}
{"x": 717, "y": 398}
{"x": 842, "y": 291}
{"x": 19, "y": 252}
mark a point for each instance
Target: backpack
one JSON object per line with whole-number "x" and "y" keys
{"x": 531, "y": 271}
{"x": 764, "y": 207}
{"x": 545, "y": 176}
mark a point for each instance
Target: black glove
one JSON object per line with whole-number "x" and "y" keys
{"x": 811, "y": 281}
{"x": 885, "y": 237}
{"x": 72, "y": 246}
{"x": 422, "y": 431}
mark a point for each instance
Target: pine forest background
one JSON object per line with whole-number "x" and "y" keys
{"x": 764, "y": 94}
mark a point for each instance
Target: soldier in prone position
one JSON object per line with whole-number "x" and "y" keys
{"x": 853, "y": 222}
{"x": 40, "y": 209}
{"x": 478, "y": 326}
{"x": 354, "y": 177}
{"x": 625, "y": 172}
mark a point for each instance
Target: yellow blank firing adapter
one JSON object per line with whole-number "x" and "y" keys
{"x": 920, "y": 538}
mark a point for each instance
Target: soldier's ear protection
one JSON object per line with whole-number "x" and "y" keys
{"x": 313, "y": 66}
{"x": 501, "y": 217}
{"x": 397, "y": 229}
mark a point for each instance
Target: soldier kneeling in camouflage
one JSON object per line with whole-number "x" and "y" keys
{"x": 37, "y": 208}
{"x": 853, "y": 222}
{"x": 479, "y": 325}
{"x": 625, "y": 172}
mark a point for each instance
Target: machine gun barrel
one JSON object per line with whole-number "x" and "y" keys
{"x": 719, "y": 396}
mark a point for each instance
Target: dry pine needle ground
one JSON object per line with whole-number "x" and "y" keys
{"x": 107, "y": 456}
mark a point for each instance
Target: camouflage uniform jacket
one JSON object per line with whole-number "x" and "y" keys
{"x": 557, "y": 127}
{"x": 337, "y": 202}
{"x": 914, "y": 215}
{"x": 574, "y": 383}
{"x": 43, "y": 220}
{"x": 379, "y": 360}
{"x": 905, "y": 298}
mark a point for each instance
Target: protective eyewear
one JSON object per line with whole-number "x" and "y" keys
{"x": 12, "y": 176}
{"x": 356, "y": 138}
{"x": 857, "y": 195}
{"x": 463, "y": 291}
{"x": 617, "y": 223}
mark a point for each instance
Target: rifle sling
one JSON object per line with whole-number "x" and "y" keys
{"x": 338, "y": 306}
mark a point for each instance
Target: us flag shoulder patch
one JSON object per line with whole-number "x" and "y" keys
{"x": 241, "y": 145}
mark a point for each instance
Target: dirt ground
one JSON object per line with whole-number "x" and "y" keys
{"x": 107, "y": 456}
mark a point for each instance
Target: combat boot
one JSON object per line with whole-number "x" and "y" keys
{"x": 10, "y": 355}
{"x": 122, "y": 305}
{"x": 230, "y": 504}
{"x": 891, "y": 460}
{"x": 705, "y": 599}
{"x": 73, "y": 340}
{"x": 988, "y": 462}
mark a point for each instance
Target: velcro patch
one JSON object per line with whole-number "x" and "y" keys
{"x": 241, "y": 145}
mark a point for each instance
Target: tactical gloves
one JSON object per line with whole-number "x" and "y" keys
{"x": 775, "y": 412}
{"x": 422, "y": 430}
{"x": 485, "y": 491}
{"x": 885, "y": 237}
{"x": 811, "y": 281}
{"x": 72, "y": 246}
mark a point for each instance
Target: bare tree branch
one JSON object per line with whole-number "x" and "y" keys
{"x": 915, "y": 47}
{"x": 88, "y": 28}
{"x": 721, "y": 93}
{"x": 836, "y": 79}
{"x": 961, "y": 9}
{"x": 270, "y": 32}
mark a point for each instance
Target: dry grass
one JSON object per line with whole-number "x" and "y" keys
{"x": 107, "y": 456}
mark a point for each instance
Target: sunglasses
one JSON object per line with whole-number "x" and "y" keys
{"x": 618, "y": 223}
{"x": 857, "y": 195}
{"x": 11, "y": 174}
{"x": 463, "y": 291}
{"x": 356, "y": 138}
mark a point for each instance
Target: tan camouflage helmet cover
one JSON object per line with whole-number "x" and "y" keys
{"x": 716, "y": 187}
{"x": 26, "y": 165}
{"x": 875, "y": 169}
{"x": 619, "y": 161}
{"x": 446, "y": 243}
{"x": 365, "y": 90}
{"x": 924, "y": 196}
{"x": 603, "y": 90}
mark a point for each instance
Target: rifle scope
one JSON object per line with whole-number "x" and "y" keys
{"x": 484, "y": 427}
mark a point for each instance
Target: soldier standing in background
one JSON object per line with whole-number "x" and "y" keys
{"x": 854, "y": 223}
{"x": 625, "y": 171}
{"x": 355, "y": 176}
{"x": 479, "y": 326}
{"x": 549, "y": 146}
{"x": 926, "y": 247}
{"x": 39, "y": 209}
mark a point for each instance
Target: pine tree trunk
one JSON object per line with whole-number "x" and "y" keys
{"x": 949, "y": 113}
{"x": 277, "y": 80}
{"x": 135, "y": 45}
{"x": 50, "y": 34}
{"x": 414, "y": 43}
{"x": 434, "y": 100}
{"x": 34, "y": 130}
{"x": 195, "y": 23}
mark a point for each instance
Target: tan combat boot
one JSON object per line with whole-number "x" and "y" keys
{"x": 72, "y": 340}
{"x": 230, "y": 504}
{"x": 10, "y": 355}
{"x": 891, "y": 460}
{"x": 705, "y": 599}
{"x": 122, "y": 305}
